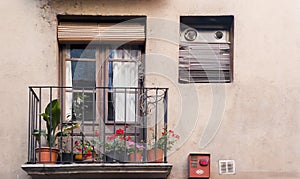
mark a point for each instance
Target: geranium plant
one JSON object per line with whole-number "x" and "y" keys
{"x": 167, "y": 139}
{"x": 88, "y": 147}
{"x": 85, "y": 147}
{"x": 117, "y": 141}
{"x": 134, "y": 147}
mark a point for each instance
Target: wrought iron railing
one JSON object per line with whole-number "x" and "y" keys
{"x": 100, "y": 124}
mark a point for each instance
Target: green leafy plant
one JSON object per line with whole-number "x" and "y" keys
{"x": 51, "y": 116}
{"x": 66, "y": 135}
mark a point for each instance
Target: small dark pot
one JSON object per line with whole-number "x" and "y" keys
{"x": 123, "y": 157}
{"x": 116, "y": 157}
{"x": 67, "y": 158}
{"x": 111, "y": 157}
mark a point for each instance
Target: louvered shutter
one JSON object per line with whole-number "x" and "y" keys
{"x": 85, "y": 32}
{"x": 226, "y": 167}
{"x": 201, "y": 62}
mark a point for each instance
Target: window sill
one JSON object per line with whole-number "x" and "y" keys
{"x": 102, "y": 170}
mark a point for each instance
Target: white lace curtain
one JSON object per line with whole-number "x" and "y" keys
{"x": 124, "y": 71}
{"x": 125, "y": 74}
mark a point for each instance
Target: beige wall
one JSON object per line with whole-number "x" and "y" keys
{"x": 259, "y": 110}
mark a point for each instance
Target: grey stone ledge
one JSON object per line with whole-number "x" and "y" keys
{"x": 98, "y": 170}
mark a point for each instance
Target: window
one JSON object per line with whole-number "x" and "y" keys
{"x": 106, "y": 54}
{"x": 79, "y": 67}
{"x": 123, "y": 68}
{"x": 206, "y": 49}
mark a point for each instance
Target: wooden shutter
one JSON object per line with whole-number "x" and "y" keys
{"x": 204, "y": 62}
{"x": 85, "y": 32}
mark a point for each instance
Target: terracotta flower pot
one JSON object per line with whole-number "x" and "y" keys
{"x": 155, "y": 155}
{"x": 135, "y": 157}
{"x": 43, "y": 155}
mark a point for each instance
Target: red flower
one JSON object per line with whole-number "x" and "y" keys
{"x": 171, "y": 131}
{"x": 126, "y": 138}
{"x": 88, "y": 155}
{"x": 110, "y": 138}
{"x": 96, "y": 133}
{"x": 120, "y": 132}
{"x": 78, "y": 146}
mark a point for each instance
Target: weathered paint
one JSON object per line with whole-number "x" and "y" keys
{"x": 259, "y": 116}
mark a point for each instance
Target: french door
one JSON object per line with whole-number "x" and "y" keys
{"x": 104, "y": 82}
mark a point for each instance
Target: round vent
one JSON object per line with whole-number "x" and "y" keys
{"x": 190, "y": 34}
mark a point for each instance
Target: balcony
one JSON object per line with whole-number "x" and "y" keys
{"x": 100, "y": 132}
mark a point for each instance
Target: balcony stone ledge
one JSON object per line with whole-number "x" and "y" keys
{"x": 98, "y": 170}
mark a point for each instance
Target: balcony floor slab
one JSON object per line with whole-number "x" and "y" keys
{"x": 98, "y": 170}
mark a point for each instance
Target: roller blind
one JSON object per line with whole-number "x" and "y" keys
{"x": 121, "y": 32}
{"x": 204, "y": 62}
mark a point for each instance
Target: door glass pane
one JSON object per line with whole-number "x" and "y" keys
{"x": 123, "y": 73}
{"x": 83, "y": 106}
{"x": 80, "y": 106}
{"x": 82, "y": 52}
{"x": 83, "y": 74}
{"x": 111, "y": 108}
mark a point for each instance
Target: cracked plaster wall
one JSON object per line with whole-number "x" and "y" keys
{"x": 261, "y": 112}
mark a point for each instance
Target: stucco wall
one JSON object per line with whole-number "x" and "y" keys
{"x": 253, "y": 120}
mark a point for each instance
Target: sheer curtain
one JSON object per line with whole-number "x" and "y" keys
{"x": 125, "y": 74}
{"x": 69, "y": 95}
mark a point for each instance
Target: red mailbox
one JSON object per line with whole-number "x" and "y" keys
{"x": 199, "y": 165}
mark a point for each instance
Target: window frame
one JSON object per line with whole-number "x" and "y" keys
{"x": 101, "y": 76}
{"x": 207, "y": 23}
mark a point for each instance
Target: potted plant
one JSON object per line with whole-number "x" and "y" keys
{"x": 87, "y": 150}
{"x": 115, "y": 146}
{"x": 158, "y": 146}
{"x": 135, "y": 151}
{"x": 67, "y": 154}
{"x": 51, "y": 116}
